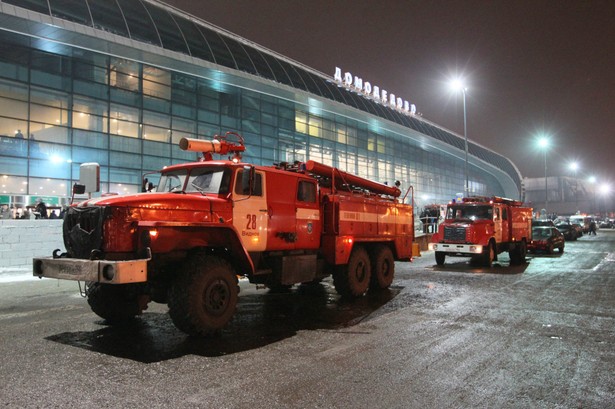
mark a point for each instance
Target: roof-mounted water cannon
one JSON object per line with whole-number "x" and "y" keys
{"x": 220, "y": 144}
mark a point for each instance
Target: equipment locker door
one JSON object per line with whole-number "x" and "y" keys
{"x": 505, "y": 225}
{"x": 308, "y": 215}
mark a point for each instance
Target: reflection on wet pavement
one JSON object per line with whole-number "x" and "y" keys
{"x": 263, "y": 317}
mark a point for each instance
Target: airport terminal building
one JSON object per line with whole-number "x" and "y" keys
{"x": 120, "y": 82}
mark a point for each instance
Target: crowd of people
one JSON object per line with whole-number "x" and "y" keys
{"x": 39, "y": 211}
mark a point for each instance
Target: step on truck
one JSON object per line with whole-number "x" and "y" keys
{"x": 211, "y": 221}
{"x": 482, "y": 228}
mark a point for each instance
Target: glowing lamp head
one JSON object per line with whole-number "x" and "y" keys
{"x": 543, "y": 142}
{"x": 457, "y": 85}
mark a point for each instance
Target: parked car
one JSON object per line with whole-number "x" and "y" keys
{"x": 545, "y": 238}
{"x": 578, "y": 229}
{"x": 569, "y": 231}
{"x": 542, "y": 222}
{"x": 606, "y": 224}
{"x": 583, "y": 221}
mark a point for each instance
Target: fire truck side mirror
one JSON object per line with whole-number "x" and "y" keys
{"x": 247, "y": 183}
{"x": 78, "y": 189}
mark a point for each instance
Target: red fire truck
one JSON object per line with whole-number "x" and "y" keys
{"x": 483, "y": 227}
{"x": 213, "y": 220}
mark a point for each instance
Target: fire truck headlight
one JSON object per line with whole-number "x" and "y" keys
{"x": 108, "y": 272}
{"x": 432, "y": 246}
{"x": 476, "y": 249}
{"x": 147, "y": 236}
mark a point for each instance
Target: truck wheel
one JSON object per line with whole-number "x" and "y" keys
{"x": 204, "y": 297}
{"x": 488, "y": 256}
{"x": 116, "y": 303}
{"x": 517, "y": 256}
{"x": 352, "y": 280}
{"x": 522, "y": 252}
{"x": 383, "y": 268}
{"x": 440, "y": 257}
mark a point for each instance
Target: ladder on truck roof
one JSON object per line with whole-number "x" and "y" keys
{"x": 492, "y": 199}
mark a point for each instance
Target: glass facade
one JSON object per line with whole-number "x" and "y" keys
{"x": 62, "y": 105}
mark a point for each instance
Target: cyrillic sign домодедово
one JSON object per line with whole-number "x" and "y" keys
{"x": 374, "y": 92}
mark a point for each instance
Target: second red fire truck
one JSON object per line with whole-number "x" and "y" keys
{"x": 483, "y": 227}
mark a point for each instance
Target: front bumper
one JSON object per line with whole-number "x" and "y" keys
{"x": 456, "y": 248}
{"x": 537, "y": 245}
{"x": 101, "y": 271}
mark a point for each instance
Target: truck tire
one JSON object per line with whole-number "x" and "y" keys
{"x": 518, "y": 254}
{"x": 117, "y": 304}
{"x": 440, "y": 257}
{"x": 383, "y": 268}
{"x": 352, "y": 280}
{"x": 204, "y": 297}
{"x": 488, "y": 255}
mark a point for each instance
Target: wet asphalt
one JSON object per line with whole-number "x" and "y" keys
{"x": 540, "y": 335}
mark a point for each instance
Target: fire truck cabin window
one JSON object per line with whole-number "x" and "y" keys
{"x": 470, "y": 212}
{"x": 209, "y": 180}
{"x": 306, "y": 192}
{"x": 257, "y": 190}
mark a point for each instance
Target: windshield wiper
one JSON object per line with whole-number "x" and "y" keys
{"x": 199, "y": 188}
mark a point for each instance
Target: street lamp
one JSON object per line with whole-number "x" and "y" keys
{"x": 574, "y": 166}
{"x": 543, "y": 143}
{"x": 457, "y": 85}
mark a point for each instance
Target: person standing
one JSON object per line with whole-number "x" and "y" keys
{"x": 5, "y": 213}
{"x": 592, "y": 228}
{"x": 41, "y": 208}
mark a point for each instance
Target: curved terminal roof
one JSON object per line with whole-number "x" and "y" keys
{"x": 167, "y": 27}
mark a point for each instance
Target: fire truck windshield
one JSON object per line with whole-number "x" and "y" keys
{"x": 213, "y": 180}
{"x": 470, "y": 212}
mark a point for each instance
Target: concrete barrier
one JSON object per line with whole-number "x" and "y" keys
{"x": 22, "y": 240}
{"x": 423, "y": 240}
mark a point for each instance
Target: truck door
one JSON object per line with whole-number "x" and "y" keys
{"x": 250, "y": 211}
{"x": 497, "y": 224}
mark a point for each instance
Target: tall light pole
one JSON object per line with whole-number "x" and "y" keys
{"x": 457, "y": 85}
{"x": 574, "y": 166}
{"x": 605, "y": 190}
{"x": 543, "y": 142}
{"x": 592, "y": 181}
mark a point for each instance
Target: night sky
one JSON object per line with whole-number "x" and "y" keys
{"x": 531, "y": 67}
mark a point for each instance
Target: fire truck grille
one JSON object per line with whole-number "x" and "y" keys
{"x": 82, "y": 230}
{"x": 455, "y": 233}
